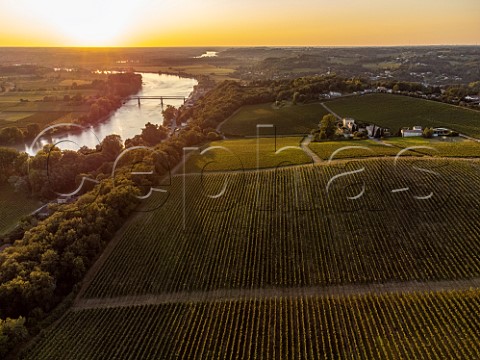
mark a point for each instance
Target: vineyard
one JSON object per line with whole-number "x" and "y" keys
{"x": 366, "y": 259}
{"x": 281, "y": 228}
{"x": 388, "y": 326}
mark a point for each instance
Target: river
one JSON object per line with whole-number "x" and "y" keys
{"x": 128, "y": 120}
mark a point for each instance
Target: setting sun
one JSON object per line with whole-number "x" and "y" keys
{"x": 89, "y": 23}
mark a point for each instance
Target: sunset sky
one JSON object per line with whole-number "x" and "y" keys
{"x": 247, "y": 22}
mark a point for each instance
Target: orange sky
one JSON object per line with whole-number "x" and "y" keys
{"x": 247, "y": 22}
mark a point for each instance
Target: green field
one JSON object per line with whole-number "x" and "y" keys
{"x": 448, "y": 147}
{"x": 353, "y": 149}
{"x": 216, "y": 73}
{"x": 395, "y": 112}
{"x": 242, "y": 154}
{"x": 14, "y": 112}
{"x": 34, "y": 106}
{"x": 427, "y": 326}
{"x": 12, "y": 98}
{"x": 436, "y": 147}
{"x": 289, "y": 120}
{"x": 13, "y": 206}
{"x": 20, "y": 114}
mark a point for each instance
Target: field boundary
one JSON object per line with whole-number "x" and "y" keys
{"x": 274, "y": 292}
{"x": 331, "y": 111}
{"x": 420, "y": 156}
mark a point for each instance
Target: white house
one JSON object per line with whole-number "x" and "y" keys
{"x": 348, "y": 123}
{"x": 472, "y": 98}
{"x": 335, "y": 94}
{"x": 377, "y": 131}
{"x": 416, "y": 131}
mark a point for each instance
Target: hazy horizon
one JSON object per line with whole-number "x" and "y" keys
{"x": 234, "y": 46}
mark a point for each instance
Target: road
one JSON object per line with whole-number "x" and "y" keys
{"x": 275, "y": 292}
{"x": 306, "y": 149}
{"x": 331, "y": 111}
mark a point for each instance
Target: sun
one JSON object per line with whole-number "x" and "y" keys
{"x": 94, "y": 23}
{"x": 97, "y": 32}
{"x": 83, "y": 23}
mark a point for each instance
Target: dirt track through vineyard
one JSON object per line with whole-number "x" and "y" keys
{"x": 266, "y": 293}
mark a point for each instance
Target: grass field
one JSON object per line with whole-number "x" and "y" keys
{"x": 14, "y": 97}
{"x": 395, "y": 112}
{"x": 218, "y": 74}
{"x": 38, "y": 106}
{"x": 447, "y": 147}
{"x": 11, "y": 117}
{"x": 13, "y": 206}
{"x": 289, "y": 120}
{"x": 406, "y": 326}
{"x": 70, "y": 82}
{"x": 43, "y": 119}
{"x": 242, "y": 154}
{"x": 42, "y": 113}
{"x": 20, "y": 114}
{"x": 437, "y": 147}
{"x": 327, "y": 149}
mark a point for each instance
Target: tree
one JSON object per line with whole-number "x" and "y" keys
{"x": 111, "y": 147}
{"x": 169, "y": 115}
{"x": 428, "y": 133}
{"x": 32, "y": 131}
{"x": 11, "y": 136}
{"x": 153, "y": 134}
{"x": 12, "y": 332}
{"x": 328, "y": 125}
{"x": 7, "y": 163}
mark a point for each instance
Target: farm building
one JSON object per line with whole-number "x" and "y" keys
{"x": 441, "y": 132}
{"x": 415, "y": 131}
{"x": 377, "y": 131}
{"x": 334, "y": 94}
{"x": 348, "y": 123}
